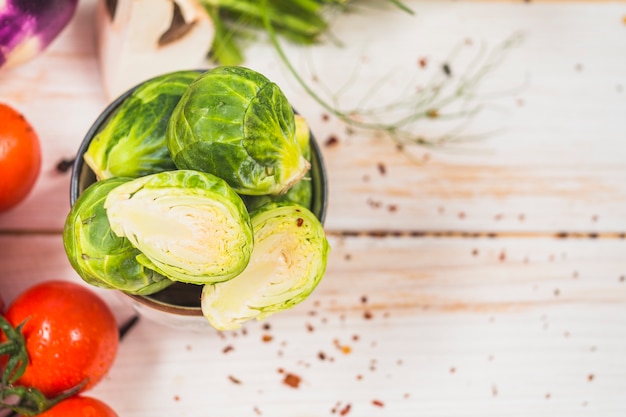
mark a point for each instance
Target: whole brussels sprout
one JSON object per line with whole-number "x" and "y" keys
{"x": 98, "y": 255}
{"x": 189, "y": 225}
{"x": 235, "y": 123}
{"x": 288, "y": 261}
{"x": 132, "y": 142}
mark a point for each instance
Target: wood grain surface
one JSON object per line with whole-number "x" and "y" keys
{"x": 483, "y": 276}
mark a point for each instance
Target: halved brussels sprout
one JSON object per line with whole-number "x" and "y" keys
{"x": 235, "y": 123}
{"x": 288, "y": 261}
{"x": 98, "y": 255}
{"x": 189, "y": 225}
{"x": 132, "y": 142}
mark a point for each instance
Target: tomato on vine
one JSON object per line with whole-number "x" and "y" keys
{"x": 80, "y": 406}
{"x": 20, "y": 157}
{"x": 61, "y": 338}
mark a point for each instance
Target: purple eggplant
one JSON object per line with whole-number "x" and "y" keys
{"x": 27, "y": 27}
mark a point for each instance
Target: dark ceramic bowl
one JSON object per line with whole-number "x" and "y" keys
{"x": 179, "y": 304}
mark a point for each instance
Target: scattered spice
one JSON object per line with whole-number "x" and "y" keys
{"x": 461, "y": 215}
{"x": 622, "y": 278}
{"x": 257, "y": 411}
{"x": 267, "y": 338}
{"x": 176, "y": 398}
{"x": 64, "y": 165}
{"x": 446, "y": 69}
{"x": 364, "y": 299}
{"x": 422, "y": 62}
{"x": 590, "y": 377}
{"x": 310, "y": 328}
{"x": 392, "y": 208}
{"x": 299, "y": 222}
{"x": 266, "y": 326}
{"x": 452, "y": 370}
{"x": 557, "y": 292}
{"x": 382, "y": 168}
{"x": 367, "y": 315}
{"x": 345, "y": 410}
{"x": 474, "y": 252}
{"x": 321, "y": 355}
{"x": 292, "y": 380}
{"x": 325, "y": 117}
{"x": 378, "y": 403}
{"x": 234, "y": 380}
{"x": 331, "y": 141}
{"x": 494, "y": 390}
{"x": 228, "y": 348}
{"x": 502, "y": 256}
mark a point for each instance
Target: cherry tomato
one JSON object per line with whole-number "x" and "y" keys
{"x": 20, "y": 157}
{"x": 70, "y": 333}
{"x": 80, "y": 406}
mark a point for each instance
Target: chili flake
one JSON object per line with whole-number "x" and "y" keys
{"x": 292, "y": 380}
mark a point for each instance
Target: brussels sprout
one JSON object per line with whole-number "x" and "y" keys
{"x": 234, "y": 123}
{"x": 189, "y": 225}
{"x": 98, "y": 255}
{"x": 287, "y": 262}
{"x": 132, "y": 142}
{"x": 302, "y": 191}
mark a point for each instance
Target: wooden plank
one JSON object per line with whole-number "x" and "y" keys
{"x": 398, "y": 327}
{"x": 556, "y": 165}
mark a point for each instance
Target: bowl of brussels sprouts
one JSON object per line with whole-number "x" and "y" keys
{"x": 200, "y": 196}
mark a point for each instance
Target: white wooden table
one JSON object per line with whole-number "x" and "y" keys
{"x": 487, "y": 279}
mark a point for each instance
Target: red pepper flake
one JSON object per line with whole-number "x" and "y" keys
{"x": 325, "y": 117}
{"x": 257, "y": 411}
{"x": 345, "y": 410}
{"x": 176, "y": 398}
{"x": 310, "y": 328}
{"x": 355, "y": 337}
{"x": 378, "y": 403}
{"x": 502, "y": 256}
{"x": 461, "y": 215}
{"x": 227, "y": 349}
{"x": 367, "y": 315}
{"x": 382, "y": 168}
{"x": 452, "y": 370}
{"x": 292, "y": 380}
{"x": 590, "y": 377}
{"x": 422, "y": 62}
{"x": 267, "y": 338}
{"x": 392, "y": 208}
{"x": 359, "y": 377}
{"x": 234, "y": 380}
{"x": 321, "y": 355}
{"x": 474, "y": 252}
{"x": 331, "y": 141}
{"x": 266, "y": 326}
{"x": 548, "y": 395}
{"x": 300, "y": 222}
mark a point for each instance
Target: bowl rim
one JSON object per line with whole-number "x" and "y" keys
{"x": 79, "y": 165}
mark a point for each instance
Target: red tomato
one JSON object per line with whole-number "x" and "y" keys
{"x": 70, "y": 333}
{"x": 20, "y": 157}
{"x": 80, "y": 406}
